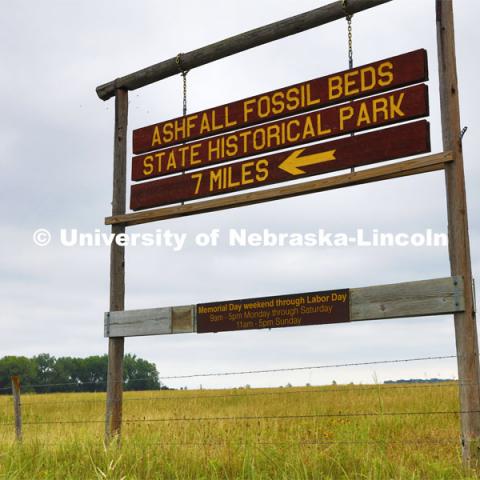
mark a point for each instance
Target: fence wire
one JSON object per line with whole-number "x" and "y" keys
{"x": 245, "y": 394}
{"x": 251, "y": 417}
{"x": 299, "y": 444}
{"x": 326, "y": 389}
{"x": 242, "y": 372}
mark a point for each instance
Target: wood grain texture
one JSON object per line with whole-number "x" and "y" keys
{"x": 427, "y": 297}
{"x": 113, "y": 414}
{"x": 360, "y": 115}
{"x": 154, "y": 321}
{"x": 183, "y": 319}
{"x": 425, "y": 164}
{"x": 378, "y": 146}
{"x": 17, "y": 407}
{"x": 388, "y": 74}
{"x": 238, "y": 43}
{"x": 401, "y": 300}
{"x": 459, "y": 245}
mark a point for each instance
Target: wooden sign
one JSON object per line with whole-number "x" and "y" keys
{"x": 378, "y": 146}
{"x": 360, "y": 115}
{"x": 437, "y": 296}
{"x": 384, "y": 75}
{"x": 315, "y": 308}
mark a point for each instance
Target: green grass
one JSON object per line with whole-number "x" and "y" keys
{"x": 364, "y": 447}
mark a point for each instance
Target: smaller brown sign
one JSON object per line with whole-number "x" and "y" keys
{"x": 314, "y": 308}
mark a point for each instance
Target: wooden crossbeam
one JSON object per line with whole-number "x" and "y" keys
{"x": 423, "y": 164}
{"x": 236, "y": 44}
{"x": 411, "y": 299}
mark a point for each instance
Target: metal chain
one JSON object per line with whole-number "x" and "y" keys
{"x": 350, "y": 48}
{"x": 350, "y": 42}
{"x": 350, "y": 34}
{"x": 183, "y": 73}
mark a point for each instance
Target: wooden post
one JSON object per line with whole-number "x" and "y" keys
{"x": 238, "y": 43}
{"x": 459, "y": 248}
{"x": 17, "y": 406}
{"x": 113, "y": 420}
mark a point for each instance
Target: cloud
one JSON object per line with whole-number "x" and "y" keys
{"x": 56, "y": 160}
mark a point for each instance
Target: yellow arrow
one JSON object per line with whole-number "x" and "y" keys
{"x": 293, "y": 163}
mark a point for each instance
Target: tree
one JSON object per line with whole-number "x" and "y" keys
{"x": 45, "y": 366}
{"x": 66, "y": 377}
{"x": 45, "y": 373}
{"x": 139, "y": 374}
{"x": 24, "y": 367}
{"x": 93, "y": 373}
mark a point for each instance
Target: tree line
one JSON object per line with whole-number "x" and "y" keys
{"x": 46, "y": 374}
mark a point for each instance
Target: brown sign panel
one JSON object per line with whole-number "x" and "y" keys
{"x": 377, "y": 77}
{"x": 314, "y": 308}
{"x": 378, "y": 146}
{"x": 385, "y": 109}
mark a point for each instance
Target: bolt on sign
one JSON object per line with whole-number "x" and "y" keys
{"x": 267, "y": 125}
{"x": 314, "y": 308}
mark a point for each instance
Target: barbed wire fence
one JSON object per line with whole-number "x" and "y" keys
{"x": 235, "y": 393}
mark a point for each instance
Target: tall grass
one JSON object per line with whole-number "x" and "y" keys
{"x": 337, "y": 447}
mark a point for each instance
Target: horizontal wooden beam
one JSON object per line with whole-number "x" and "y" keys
{"x": 401, "y": 300}
{"x": 154, "y": 321}
{"x": 238, "y": 43}
{"x": 411, "y": 299}
{"x": 424, "y": 164}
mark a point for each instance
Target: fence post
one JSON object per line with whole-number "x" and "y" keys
{"x": 113, "y": 416}
{"x": 459, "y": 247}
{"x": 17, "y": 406}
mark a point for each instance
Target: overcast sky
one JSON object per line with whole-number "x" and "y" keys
{"x": 56, "y": 160}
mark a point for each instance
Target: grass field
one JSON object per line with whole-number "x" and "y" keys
{"x": 379, "y": 446}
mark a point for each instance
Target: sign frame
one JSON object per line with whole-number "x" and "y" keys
{"x": 453, "y": 166}
{"x": 439, "y": 296}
